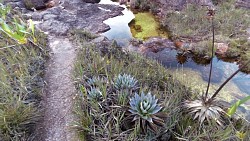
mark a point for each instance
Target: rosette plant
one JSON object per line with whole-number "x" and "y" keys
{"x": 145, "y": 109}
{"x": 96, "y": 81}
{"x": 125, "y": 81}
{"x": 94, "y": 94}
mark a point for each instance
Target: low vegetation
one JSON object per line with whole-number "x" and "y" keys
{"x": 22, "y": 54}
{"x": 128, "y": 97}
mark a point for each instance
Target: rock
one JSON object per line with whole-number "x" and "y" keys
{"x": 75, "y": 14}
{"x": 221, "y": 49}
{"x": 243, "y": 4}
{"x": 72, "y": 14}
{"x": 155, "y": 44}
{"x": 91, "y": 1}
{"x": 50, "y": 4}
{"x": 34, "y": 4}
{"x": 99, "y": 39}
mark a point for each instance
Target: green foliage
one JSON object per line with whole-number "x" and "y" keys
{"x": 234, "y": 107}
{"x": 15, "y": 28}
{"x": 21, "y": 79}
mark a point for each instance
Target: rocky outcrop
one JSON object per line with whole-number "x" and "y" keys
{"x": 154, "y": 45}
{"x": 74, "y": 14}
{"x": 34, "y": 4}
{"x": 92, "y": 1}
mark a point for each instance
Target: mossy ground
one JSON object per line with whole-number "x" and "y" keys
{"x": 145, "y": 25}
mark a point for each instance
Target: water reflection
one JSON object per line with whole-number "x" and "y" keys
{"x": 221, "y": 69}
{"x": 120, "y": 30}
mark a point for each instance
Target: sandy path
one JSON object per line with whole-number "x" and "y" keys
{"x": 59, "y": 93}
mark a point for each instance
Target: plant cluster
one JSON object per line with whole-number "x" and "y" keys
{"x": 21, "y": 81}
{"x": 134, "y": 113}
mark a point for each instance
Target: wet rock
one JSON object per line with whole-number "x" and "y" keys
{"x": 221, "y": 49}
{"x": 34, "y": 4}
{"x": 92, "y": 1}
{"x": 155, "y": 44}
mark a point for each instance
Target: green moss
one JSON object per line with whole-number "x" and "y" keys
{"x": 145, "y": 25}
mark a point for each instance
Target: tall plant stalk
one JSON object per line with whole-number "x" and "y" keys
{"x": 210, "y": 16}
{"x": 211, "y": 64}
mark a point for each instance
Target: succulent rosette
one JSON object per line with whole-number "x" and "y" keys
{"x": 125, "y": 81}
{"x": 144, "y": 106}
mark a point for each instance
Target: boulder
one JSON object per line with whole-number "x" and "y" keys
{"x": 91, "y": 1}
{"x": 34, "y": 4}
{"x": 221, "y": 49}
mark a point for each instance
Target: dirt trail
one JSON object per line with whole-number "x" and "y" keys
{"x": 59, "y": 93}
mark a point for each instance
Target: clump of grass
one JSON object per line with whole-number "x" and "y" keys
{"x": 21, "y": 79}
